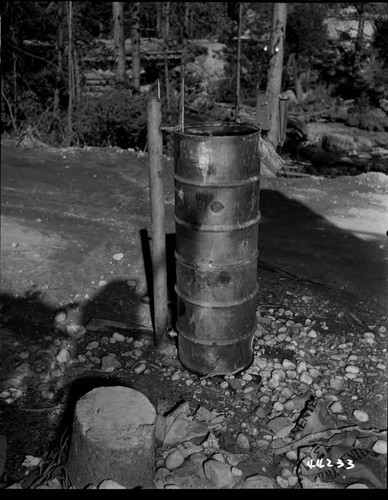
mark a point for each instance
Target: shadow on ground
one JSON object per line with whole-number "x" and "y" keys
{"x": 292, "y": 239}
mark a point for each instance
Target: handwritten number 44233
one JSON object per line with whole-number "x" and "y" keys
{"x": 339, "y": 464}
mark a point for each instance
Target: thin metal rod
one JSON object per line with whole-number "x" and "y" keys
{"x": 158, "y": 246}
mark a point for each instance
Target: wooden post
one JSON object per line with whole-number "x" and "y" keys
{"x": 158, "y": 249}
{"x": 238, "y": 61}
{"x": 183, "y": 66}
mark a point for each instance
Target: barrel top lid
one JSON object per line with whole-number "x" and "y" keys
{"x": 217, "y": 129}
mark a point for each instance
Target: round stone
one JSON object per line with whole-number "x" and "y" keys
{"x": 243, "y": 441}
{"x": 352, "y": 369}
{"x": 282, "y": 482}
{"x": 139, "y": 368}
{"x": 278, "y": 406}
{"x": 361, "y": 416}
{"x": 336, "y": 407}
{"x": 174, "y": 460}
{"x": 380, "y": 447}
{"x": 60, "y": 317}
{"x": 306, "y": 378}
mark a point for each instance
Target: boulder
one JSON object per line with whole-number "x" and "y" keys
{"x": 339, "y": 143}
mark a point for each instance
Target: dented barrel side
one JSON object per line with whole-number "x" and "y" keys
{"x": 217, "y": 184}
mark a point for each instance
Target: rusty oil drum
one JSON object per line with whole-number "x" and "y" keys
{"x": 217, "y": 183}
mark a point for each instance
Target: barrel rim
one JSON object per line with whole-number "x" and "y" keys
{"x": 255, "y": 130}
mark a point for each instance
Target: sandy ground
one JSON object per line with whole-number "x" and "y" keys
{"x": 65, "y": 214}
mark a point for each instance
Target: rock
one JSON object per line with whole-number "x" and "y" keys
{"x": 357, "y": 486}
{"x": 118, "y": 256}
{"x": 56, "y": 373}
{"x": 258, "y": 482}
{"x": 75, "y": 331}
{"x": 140, "y": 368}
{"x": 306, "y": 378}
{"x": 236, "y": 472}
{"x": 278, "y": 423}
{"x": 301, "y": 367}
{"x": 339, "y": 143}
{"x": 361, "y": 416}
{"x": 292, "y": 456}
{"x": 289, "y": 405}
{"x": 92, "y": 345}
{"x": 218, "y": 473}
{"x": 336, "y": 407}
{"x": 24, "y": 355}
{"x": 363, "y": 143}
{"x": 261, "y": 363}
{"x": 262, "y": 444}
{"x": 118, "y": 337}
{"x": 282, "y": 482}
{"x": 198, "y": 459}
{"x": 60, "y": 317}
{"x": 292, "y": 481}
{"x": 243, "y": 441}
{"x": 273, "y": 383}
{"x": 278, "y": 406}
{"x": 109, "y": 484}
{"x": 110, "y": 363}
{"x": 380, "y": 447}
{"x": 336, "y": 383}
{"x": 63, "y": 356}
{"x": 174, "y": 460}
{"x": 352, "y": 369}
{"x": 278, "y": 374}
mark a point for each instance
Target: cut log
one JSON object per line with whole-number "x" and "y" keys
{"x": 113, "y": 438}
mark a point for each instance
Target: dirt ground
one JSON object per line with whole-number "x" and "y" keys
{"x": 65, "y": 213}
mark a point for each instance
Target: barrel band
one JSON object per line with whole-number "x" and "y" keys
{"x": 217, "y": 342}
{"x": 193, "y": 182}
{"x": 207, "y": 267}
{"x": 219, "y": 228}
{"x": 216, "y": 305}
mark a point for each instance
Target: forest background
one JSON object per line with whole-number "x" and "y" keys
{"x": 46, "y": 47}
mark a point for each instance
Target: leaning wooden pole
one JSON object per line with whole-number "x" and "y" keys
{"x": 158, "y": 247}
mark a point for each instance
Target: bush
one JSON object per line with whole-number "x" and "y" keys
{"x": 117, "y": 118}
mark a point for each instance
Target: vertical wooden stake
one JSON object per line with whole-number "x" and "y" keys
{"x": 237, "y": 109}
{"x": 158, "y": 247}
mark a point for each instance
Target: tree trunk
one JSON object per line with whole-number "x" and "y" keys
{"x": 297, "y": 82}
{"x": 274, "y": 81}
{"x": 238, "y": 61}
{"x": 59, "y": 58}
{"x": 77, "y": 77}
{"x": 183, "y": 65}
{"x": 135, "y": 45}
{"x": 360, "y": 32}
{"x": 71, "y": 71}
{"x": 118, "y": 23}
{"x": 166, "y": 30}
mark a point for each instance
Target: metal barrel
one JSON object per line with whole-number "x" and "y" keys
{"x": 217, "y": 183}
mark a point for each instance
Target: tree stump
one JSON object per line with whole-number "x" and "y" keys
{"x": 113, "y": 438}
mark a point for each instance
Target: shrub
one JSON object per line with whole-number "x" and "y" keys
{"x": 117, "y": 118}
